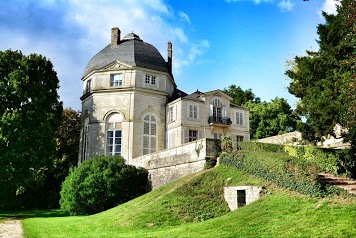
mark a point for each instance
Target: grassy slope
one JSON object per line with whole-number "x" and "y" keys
{"x": 176, "y": 209}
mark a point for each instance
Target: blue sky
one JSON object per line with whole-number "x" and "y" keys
{"x": 216, "y": 43}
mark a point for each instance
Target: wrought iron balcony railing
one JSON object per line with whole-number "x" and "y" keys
{"x": 219, "y": 120}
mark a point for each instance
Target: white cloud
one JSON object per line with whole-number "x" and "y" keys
{"x": 184, "y": 16}
{"x": 75, "y": 30}
{"x": 329, "y": 6}
{"x": 254, "y": 1}
{"x": 286, "y": 5}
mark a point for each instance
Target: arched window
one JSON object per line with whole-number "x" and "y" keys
{"x": 85, "y": 140}
{"x": 113, "y": 135}
{"x": 217, "y": 108}
{"x": 149, "y": 137}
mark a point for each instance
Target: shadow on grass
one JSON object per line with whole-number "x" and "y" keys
{"x": 22, "y": 214}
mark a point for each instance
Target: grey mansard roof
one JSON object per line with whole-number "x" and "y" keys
{"x": 132, "y": 51}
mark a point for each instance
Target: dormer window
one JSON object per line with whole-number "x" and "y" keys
{"x": 150, "y": 79}
{"x": 115, "y": 80}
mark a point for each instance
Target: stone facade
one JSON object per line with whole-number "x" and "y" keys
{"x": 171, "y": 164}
{"x": 131, "y": 106}
{"x": 232, "y": 193}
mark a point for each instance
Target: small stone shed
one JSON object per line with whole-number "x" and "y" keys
{"x": 238, "y": 196}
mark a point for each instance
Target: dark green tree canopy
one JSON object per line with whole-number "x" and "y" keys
{"x": 240, "y": 96}
{"x": 102, "y": 183}
{"x": 30, "y": 113}
{"x": 319, "y": 80}
{"x": 271, "y": 118}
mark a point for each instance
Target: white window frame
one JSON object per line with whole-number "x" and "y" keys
{"x": 85, "y": 140}
{"x": 172, "y": 113}
{"x": 88, "y": 86}
{"x": 239, "y": 118}
{"x": 116, "y": 80}
{"x": 193, "y": 111}
{"x": 151, "y": 79}
{"x": 149, "y": 134}
{"x": 114, "y": 125}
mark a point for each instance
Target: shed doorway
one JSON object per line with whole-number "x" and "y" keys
{"x": 241, "y": 198}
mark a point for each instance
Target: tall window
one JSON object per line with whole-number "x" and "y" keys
{"x": 192, "y": 111}
{"x": 113, "y": 135}
{"x": 88, "y": 86}
{"x": 217, "y": 108}
{"x": 150, "y": 79}
{"x": 239, "y": 118}
{"x": 116, "y": 80}
{"x": 149, "y": 138}
{"x": 236, "y": 139}
{"x": 171, "y": 114}
{"x": 85, "y": 140}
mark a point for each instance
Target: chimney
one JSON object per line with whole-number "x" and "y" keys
{"x": 170, "y": 57}
{"x": 115, "y": 36}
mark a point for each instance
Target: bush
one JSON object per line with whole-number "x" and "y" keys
{"x": 280, "y": 168}
{"x": 102, "y": 183}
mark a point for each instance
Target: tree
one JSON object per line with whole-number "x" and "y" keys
{"x": 239, "y": 96}
{"x": 30, "y": 113}
{"x": 320, "y": 80}
{"x": 67, "y": 141}
{"x": 102, "y": 183}
{"x": 271, "y": 118}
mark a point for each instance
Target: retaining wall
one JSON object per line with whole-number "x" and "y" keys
{"x": 171, "y": 164}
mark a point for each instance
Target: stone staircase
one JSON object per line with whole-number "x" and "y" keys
{"x": 340, "y": 182}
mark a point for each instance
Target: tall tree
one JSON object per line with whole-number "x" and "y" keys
{"x": 30, "y": 113}
{"x": 67, "y": 141}
{"x": 319, "y": 80}
{"x": 271, "y": 118}
{"x": 239, "y": 96}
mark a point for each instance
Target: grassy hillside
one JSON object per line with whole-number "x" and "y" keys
{"x": 183, "y": 209}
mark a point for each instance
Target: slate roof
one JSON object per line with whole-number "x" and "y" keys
{"x": 132, "y": 51}
{"x": 196, "y": 96}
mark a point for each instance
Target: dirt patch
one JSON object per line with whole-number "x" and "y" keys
{"x": 11, "y": 228}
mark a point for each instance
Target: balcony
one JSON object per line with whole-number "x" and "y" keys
{"x": 219, "y": 121}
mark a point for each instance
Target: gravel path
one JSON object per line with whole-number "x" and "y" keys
{"x": 11, "y": 228}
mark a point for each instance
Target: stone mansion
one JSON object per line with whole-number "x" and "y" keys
{"x": 131, "y": 105}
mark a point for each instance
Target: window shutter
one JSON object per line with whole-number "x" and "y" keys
{"x": 146, "y": 128}
{"x": 153, "y": 129}
{"x": 211, "y": 109}
{"x": 200, "y": 134}
{"x": 234, "y": 141}
{"x": 186, "y": 135}
{"x": 153, "y": 144}
{"x": 224, "y": 111}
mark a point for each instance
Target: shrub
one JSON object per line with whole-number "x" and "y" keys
{"x": 102, "y": 183}
{"x": 280, "y": 168}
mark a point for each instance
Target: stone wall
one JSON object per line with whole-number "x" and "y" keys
{"x": 171, "y": 164}
{"x": 284, "y": 139}
{"x": 230, "y": 195}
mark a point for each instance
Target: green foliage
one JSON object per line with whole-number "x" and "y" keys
{"x": 102, "y": 183}
{"x": 30, "y": 113}
{"x": 226, "y": 143}
{"x": 278, "y": 213}
{"x": 239, "y": 96}
{"x": 321, "y": 80}
{"x": 257, "y": 146}
{"x": 298, "y": 173}
{"x": 325, "y": 160}
{"x": 67, "y": 140}
{"x": 271, "y": 118}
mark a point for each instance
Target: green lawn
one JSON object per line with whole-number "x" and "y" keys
{"x": 183, "y": 209}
